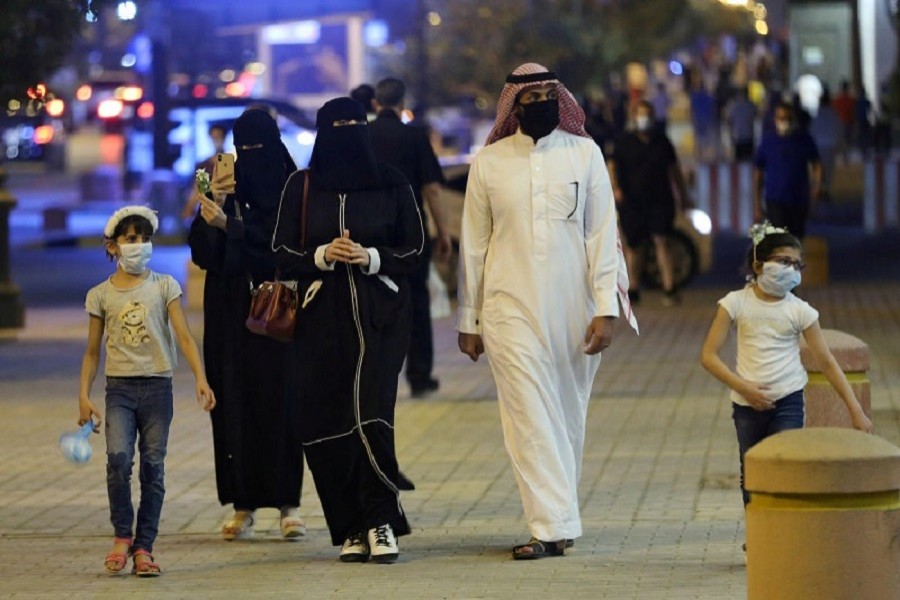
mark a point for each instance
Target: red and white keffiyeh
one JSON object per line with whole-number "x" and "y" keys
{"x": 571, "y": 119}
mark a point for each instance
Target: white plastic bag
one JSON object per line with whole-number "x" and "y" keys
{"x": 440, "y": 302}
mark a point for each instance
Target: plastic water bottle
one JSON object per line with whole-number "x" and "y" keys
{"x": 74, "y": 445}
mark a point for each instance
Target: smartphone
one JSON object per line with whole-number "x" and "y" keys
{"x": 225, "y": 168}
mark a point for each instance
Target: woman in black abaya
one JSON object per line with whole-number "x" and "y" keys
{"x": 258, "y": 455}
{"x": 363, "y": 235}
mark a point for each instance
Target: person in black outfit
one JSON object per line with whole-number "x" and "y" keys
{"x": 351, "y": 251}
{"x": 255, "y": 426}
{"x": 643, "y": 169}
{"x": 365, "y": 95}
{"x": 407, "y": 148}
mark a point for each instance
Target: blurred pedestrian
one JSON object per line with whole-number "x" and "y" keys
{"x": 137, "y": 310}
{"x": 703, "y": 118}
{"x": 364, "y": 93}
{"x": 407, "y": 148}
{"x": 862, "y": 111}
{"x": 661, "y": 103}
{"x": 787, "y": 174}
{"x": 351, "y": 253}
{"x": 256, "y": 439}
{"x": 741, "y": 116}
{"x": 598, "y": 121}
{"x": 844, "y": 104}
{"x": 826, "y": 129}
{"x": 644, "y": 169}
{"x": 767, "y": 383}
{"x": 540, "y": 268}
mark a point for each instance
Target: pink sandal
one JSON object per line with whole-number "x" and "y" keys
{"x": 145, "y": 568}
{"x": 116, "y": 561}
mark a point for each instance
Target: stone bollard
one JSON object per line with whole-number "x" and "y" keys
{"x": 824, "y": 516}
{"x": 815, "y": 255}
{"x": 824, "y": 408}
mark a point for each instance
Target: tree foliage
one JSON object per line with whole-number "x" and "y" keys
{"x": 476, "y": 44}
{"x": 36, "y": 37}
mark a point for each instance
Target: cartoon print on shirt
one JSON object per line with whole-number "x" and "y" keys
{"x": 134, "y": 332}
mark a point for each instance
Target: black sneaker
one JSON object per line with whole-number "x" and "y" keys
{"x": 383, "y": 544}
{"x": 354, "y": 549}
{"x": 420, "y": 389}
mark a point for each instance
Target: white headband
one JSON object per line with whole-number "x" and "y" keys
{"x": 127, "y": 211}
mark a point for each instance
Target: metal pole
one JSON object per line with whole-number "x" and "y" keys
{"x": 12, "y": 311}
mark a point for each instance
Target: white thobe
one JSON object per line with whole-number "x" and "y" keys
{"x": 538, "y": 260}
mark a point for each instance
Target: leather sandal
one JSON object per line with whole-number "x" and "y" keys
{"x": 144, "y": 568}
{"x": 238, "y": 527}
{"x": 116, "y": 561}
{"x": 536, "y": 548}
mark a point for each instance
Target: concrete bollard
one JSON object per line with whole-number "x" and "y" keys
{"x": 824, "y": 408}
{"x": 824, "y": 516}
{"x": 815, "y": 255}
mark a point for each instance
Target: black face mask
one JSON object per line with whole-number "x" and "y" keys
{"x": 539, "y": 118}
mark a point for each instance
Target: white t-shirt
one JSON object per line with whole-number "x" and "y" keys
{"x": 139, "y": 341}
{"x": 768, "y": 340}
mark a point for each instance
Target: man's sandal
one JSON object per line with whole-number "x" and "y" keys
{"x": 145, "y": 567}
{"x": 116, "y": 561}
{"x": 239, "y": 527}
{"x": 536, "y": 548}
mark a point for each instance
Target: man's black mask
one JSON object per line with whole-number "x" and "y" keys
{"x": 539, "y": 118}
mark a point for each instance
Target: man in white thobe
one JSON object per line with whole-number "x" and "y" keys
{"x": 541, "y": 268}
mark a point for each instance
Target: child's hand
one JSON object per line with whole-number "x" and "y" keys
{"x": 205, "y": 396}
{"x": 757, "y": 396}
{"x": 88, "y": 411}
{"x": 862, "y": 422}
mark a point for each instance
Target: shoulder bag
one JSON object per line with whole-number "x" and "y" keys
{"x": 273, "y": 305}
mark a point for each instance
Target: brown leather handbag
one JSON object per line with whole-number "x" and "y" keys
{"x": 273, "y": 304}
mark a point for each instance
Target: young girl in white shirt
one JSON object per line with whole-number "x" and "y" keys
{"x": 139, "y": 313}
{"x": 767, "y": 386}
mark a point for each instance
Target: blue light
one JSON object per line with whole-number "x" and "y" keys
{"x": 675, "y": 67}
{"x": 376, "y": 33}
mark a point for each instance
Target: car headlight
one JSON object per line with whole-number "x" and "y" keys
{"x": 700, "y": 220}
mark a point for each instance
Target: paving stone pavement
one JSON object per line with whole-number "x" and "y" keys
{"x": 662, "y": 513}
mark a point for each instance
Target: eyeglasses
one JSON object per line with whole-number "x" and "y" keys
{"x": 787, "y": 261}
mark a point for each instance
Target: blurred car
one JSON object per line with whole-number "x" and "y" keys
{"x": 690, "y": 243}
{"x": 28, "y": 137}
{"x": 189, "y": 139}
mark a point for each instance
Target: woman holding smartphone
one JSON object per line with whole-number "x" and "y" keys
{"x": 259, "y": 459}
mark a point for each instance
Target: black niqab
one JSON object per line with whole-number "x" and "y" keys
{"x": 260, "y": 172}
{"x": 342, "y": 158}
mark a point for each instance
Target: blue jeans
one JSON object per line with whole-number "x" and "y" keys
{"x": 753, "y": 426}
{"x": 137, "y": 409}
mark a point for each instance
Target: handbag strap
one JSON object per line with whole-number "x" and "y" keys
{"x": 303, "y": 210}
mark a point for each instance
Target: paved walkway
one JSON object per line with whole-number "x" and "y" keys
{"x": 662, "y": 515}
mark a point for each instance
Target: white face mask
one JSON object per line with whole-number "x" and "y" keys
{"x": 642, "y": 122}
{"x": 783, "y": 127}
{"x": 777, "y": 279}
{"x": 133, "y": 258}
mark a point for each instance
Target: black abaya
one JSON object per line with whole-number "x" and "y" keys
{"x": 352, "y": 337}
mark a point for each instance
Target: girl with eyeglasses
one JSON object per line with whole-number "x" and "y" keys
{"x": 767, "y": 385}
